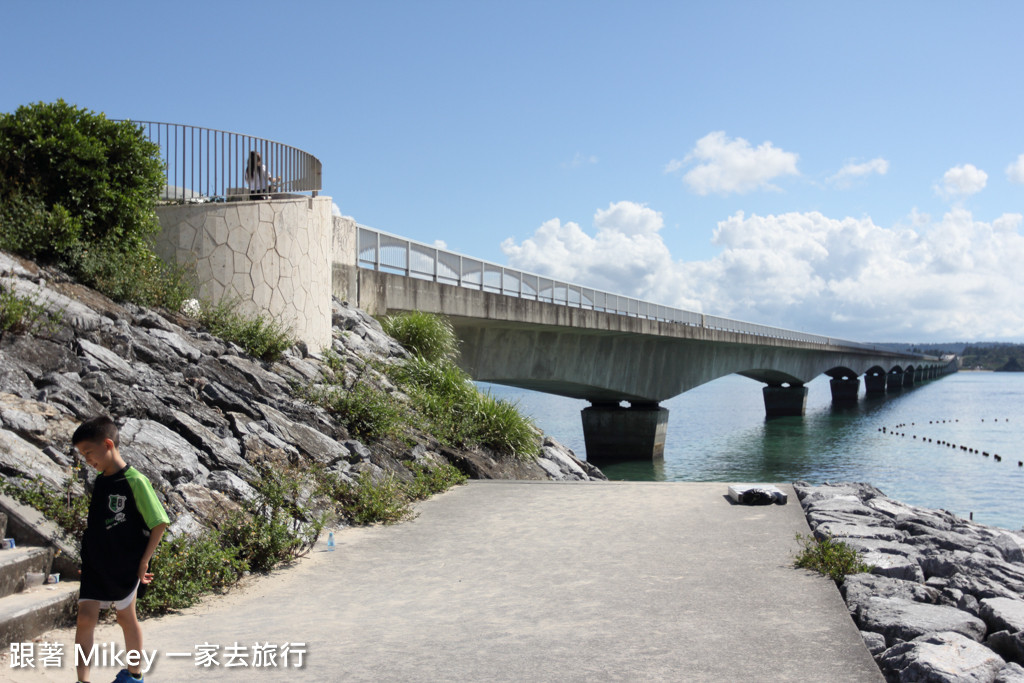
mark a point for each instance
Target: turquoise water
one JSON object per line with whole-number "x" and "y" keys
{"x": 718, "y": 432}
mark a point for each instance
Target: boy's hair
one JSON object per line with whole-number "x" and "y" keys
{"x": 97, "y": 430}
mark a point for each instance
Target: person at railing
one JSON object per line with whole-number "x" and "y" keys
{"x": 258, "y": 178}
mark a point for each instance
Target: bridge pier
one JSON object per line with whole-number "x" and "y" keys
{"x": 616, "y": 434}
{"x": 909, "y": 377}
{"x": 893, "y": 381}
{"x": 844, "y": 390}
{"x": 874, "y": 382}
{"x": 780, "y": 401}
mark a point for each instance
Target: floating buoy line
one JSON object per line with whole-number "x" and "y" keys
{"x": 900, "y": 431}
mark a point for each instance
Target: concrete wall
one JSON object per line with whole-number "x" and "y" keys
{"x": 273, "y": 256}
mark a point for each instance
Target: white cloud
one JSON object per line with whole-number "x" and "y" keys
{"x": 951, "y": 278}
{"x": 854, "y": 171}
{"x": 727, "y": 165}
{"x": 1015, "y": 171}
{"x": 962, "y": 181}
{"x": 580, "y": 160}
{"x": 335, "y": 209}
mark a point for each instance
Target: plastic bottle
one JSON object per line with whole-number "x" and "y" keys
{"x": 330, "y": 542}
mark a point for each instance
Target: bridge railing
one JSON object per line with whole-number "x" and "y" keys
{"x": 204, "y": 164}
{"x": 390, "y": 253}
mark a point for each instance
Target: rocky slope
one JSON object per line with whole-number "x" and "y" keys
{"x": 945, "y": 601}
{"x": 198, "y": 415}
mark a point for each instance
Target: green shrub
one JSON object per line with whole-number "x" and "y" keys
{"x": 366, "y": 412}
{"x": 79, "y": 191}
{"x": 64, "y": 508}
{"x": 430, "y": 480}
{"x": 24, "y": 314}
{"x": 105, "y": 173}
{"x": 830, "y": 557}
{"x": 459, "y": 414}
{"x": 370, "y": 502}
{"x": 274, "y": 526}
{"x": 500, "y": 426}
{"x": 185, "y": 568}
{"x": 423, "y": 334}
{"x": 260, "y": 335}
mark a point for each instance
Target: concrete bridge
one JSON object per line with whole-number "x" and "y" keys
{"x": 528, "y": 331}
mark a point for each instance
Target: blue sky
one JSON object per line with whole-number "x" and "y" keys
{"x": 853, "y": 169}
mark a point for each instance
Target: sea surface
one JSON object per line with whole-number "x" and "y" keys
{"x": 718, "y": 432}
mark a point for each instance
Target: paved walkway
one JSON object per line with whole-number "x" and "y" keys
{"x": 521, "y": 581}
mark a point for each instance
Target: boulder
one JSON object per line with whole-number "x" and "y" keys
{"x": 902, "y": 620}
{"x": 857, "y": 589}
{"x": 1011, "y": 673}
{"x": 1008, "y": 645}
{"x": 19, "y": 458}
{"x": 1003, "y": 614}
{"x": 941, "y": 658}
{"x": 163, "y": 456}
{"x": 894, "y": 566}
{"x": 841, "y": 530}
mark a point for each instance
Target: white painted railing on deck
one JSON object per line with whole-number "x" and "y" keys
{"x": 390, "y": 253}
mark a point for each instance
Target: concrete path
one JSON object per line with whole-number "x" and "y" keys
{"x": 523, "y": 581}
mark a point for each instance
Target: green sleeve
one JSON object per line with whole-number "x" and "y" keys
{"x": 145, "y": 499}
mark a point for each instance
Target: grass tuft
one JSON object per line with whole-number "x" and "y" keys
{"x": 835, "y": 559}
{"x": 424, "y": 334}
{"x": 260, "y": 335}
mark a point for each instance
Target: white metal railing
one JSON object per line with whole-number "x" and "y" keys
{"x": 393, "y": 254}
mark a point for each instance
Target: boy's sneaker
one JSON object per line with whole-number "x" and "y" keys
{"x": 124, "y": 677}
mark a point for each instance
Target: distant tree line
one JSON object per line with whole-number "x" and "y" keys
{"x": 988, "y": 356}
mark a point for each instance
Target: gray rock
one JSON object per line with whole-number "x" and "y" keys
{"x": 941, "y": 658}
{"x": 14, "y": 380}
{"x": 102, "y": 359}
{"x": 857, "y": 589}
{"x": 898, "y": 619}
{"x": 218, "y": 395}
{"x": 65, "y": 390}
{"x": 1011, "y": 673}
{"x": 176, "y": 342}
{"x": 231, "y": 485}
{"x": 313, "y": 443}
{"x": 894, "y": 566}
{"x": 1008, "y": 645}
{"x": 19, "y": 458}
{"x": 1003, "y": 614}
{"x": 359, "y": 452}
{"x": 1010, "y": 547}
{"x": 873, "y": 545}
{"x": 163, "y": 456}
{"x": 840, "y": 530}
{"x": 875, "y": 642}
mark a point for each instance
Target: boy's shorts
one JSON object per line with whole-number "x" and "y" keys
{"x": 119, "y": 605}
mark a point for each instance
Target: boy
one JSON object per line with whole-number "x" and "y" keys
{"x": 125, "y": 525}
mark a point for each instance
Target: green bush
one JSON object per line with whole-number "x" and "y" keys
{"x": 499, "y": 425}
{"x": 185, "y": 568}
{"x": 21, "y": 314}
{"x": 105, "y": 173}
{"x": 424, "y": 334}
{"x": 366, "y": 412}
{"x": 260, "y": 335}
{"x": 66, "y": 509}
{"x": 274, "y": 526}
{"x": 79, "y": 191}
{"x": 369, "y": 502}
{"x": 830, "y": 557}
{"x": 430, "y": 480}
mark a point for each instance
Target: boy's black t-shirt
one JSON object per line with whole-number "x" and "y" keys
{"x": 123, "y": 509}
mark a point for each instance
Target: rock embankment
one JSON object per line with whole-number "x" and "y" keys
{"x": 198, "y": 414}
{"x": 945, "y": 600}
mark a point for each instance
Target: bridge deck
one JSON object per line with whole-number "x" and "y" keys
{"x": 520, "y": 581}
